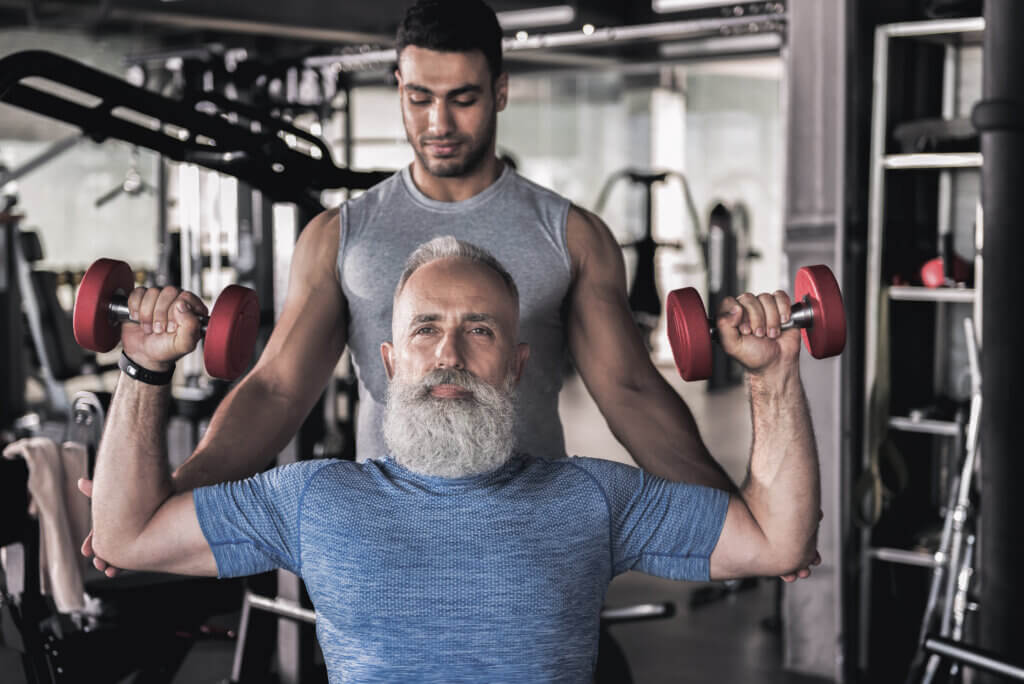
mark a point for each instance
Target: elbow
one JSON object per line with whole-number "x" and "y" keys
{"x": 111, "y": 549}
{"x": 795, "y": 555}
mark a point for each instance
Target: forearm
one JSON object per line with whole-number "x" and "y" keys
{"x": 131, "y": 481}
{"x": 659, "y": 431}
{"x": 248, "y": 430}
{"x": 783, "y": 490}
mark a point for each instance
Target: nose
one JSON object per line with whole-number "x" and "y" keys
{"x": 449, "y": 353}
{"x": 441, "y": 123}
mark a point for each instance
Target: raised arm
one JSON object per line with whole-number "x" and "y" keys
{"x": 643, "y": 411}
{"x": 265, "y": 410}
{"x": 138, "y": 523}
{"x": 771, "y": 525}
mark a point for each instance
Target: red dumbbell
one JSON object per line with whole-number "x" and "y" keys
{"x": 102, "y": 305}
{"x": 818, "y": 312}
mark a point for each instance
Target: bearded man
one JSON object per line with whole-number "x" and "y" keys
{"x": 441, "y": 557}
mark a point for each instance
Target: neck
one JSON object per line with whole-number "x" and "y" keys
{"x": 457, "y": 188}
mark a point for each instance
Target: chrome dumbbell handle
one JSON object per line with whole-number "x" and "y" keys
{"x": 119, "y": 312}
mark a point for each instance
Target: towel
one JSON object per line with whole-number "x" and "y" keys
{"x": 63, "y": 513}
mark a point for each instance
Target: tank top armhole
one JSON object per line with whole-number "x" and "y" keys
{"x": 563, "y": 236}
{"x": 342, "y": 241}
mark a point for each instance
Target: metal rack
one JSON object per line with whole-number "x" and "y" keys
{"x": 953, "y": 34}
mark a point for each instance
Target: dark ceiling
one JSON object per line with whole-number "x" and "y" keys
{"x": 307, "y": 27}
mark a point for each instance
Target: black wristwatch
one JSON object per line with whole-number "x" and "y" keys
{"x": 145, "y": 375}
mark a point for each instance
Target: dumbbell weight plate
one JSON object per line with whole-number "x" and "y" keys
{"x": 231, "y": 332}
{"x": 689, "y": 334}
{"x": 93, "y": 326}
{"x": 827, "y": 336}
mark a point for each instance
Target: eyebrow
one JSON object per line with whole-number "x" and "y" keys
{"x": 470, "y": 317}
{"x": 455, "y": 92}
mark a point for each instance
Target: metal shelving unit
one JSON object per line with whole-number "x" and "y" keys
{"x": 953, "y": 34}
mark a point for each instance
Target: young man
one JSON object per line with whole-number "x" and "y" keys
{"x": 570, "y": 269}
{"x": 439, "y": 559}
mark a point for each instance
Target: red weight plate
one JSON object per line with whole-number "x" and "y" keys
{"x": 94, "y": 329}
{"x": 689, "y": 334}
{"x": 231, "y": 332}
{"x": 827, "y": 336}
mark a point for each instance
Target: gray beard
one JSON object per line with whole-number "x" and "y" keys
{"x": 450, "y": 437}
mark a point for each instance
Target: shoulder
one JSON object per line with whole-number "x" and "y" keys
{"x": 525, "y": 185}
{"x": 322, "y": 231}
{"x": 602, "y": 469}
{"x": 300, "y": 474}
{"x": 591, "y": 244}
{"x": 597, "y": 472}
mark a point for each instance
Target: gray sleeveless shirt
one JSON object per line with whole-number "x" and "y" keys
{"x": 519, "y": 222}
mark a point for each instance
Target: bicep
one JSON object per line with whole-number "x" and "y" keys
{"x": 173, "y": 541}
{"x": 742, "y": 549}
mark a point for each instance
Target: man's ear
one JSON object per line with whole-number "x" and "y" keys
{"x": 501, "y": 92}
{"x": 519, "y": 357}
{"x": 387, "y": 354}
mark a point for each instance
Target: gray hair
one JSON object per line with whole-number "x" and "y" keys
{"x": 447, "y": 247}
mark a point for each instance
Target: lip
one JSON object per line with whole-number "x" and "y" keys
{"x": 443, "y": 149}
{"x": 450, "y": 392}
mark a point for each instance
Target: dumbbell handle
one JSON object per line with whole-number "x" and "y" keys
{"x": 119, "y": 312}
{"x": 801, "y": 315}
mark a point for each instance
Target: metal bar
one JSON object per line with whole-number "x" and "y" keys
{"x": 962, "y": 295}
{"x": 919, "y": 558}
{"x": 876, "y": 201}
{"x": 619, "y": 35}
{"x": 919, "y": 29}
{"x": 55, "y": 150}
{"x": 933, "y": 160}
{"x": 642, "y": 611}
{"x": 283, "y": 608}
{"x": 243, "y": 636}
{"x": 925, "y": 425}
{"x": 975, "y": 657}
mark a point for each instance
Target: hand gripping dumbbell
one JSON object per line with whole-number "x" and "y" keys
{"x": 817, "y": 311}
{"x": 102, "y": 305}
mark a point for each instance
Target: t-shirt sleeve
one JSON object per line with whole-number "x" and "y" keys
{"x": 253, "y": 525}
{"x": 663, "y": 528}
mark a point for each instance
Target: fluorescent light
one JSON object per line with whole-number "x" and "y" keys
{"x": 662, "y": 6}
{"x": 722, "y": 45}
{"x": 538, "y": 16}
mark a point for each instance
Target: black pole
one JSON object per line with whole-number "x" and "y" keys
{"x": 1000, "y": 119}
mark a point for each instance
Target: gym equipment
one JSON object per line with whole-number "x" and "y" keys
{"x": 818, "y": 312}
{"x": 230, "y": 330}
{"x": 284, "y": 162}
{"x": 954, "y": 558}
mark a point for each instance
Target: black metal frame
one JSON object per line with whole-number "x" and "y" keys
{"x": 284, "y": 162}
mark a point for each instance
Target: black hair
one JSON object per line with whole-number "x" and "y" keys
{"x": 452, "y": 26}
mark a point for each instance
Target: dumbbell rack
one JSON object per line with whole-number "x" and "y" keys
{"x": 953, "y": 34}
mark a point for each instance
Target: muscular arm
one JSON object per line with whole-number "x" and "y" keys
{"x": 258, "y": 418}
{"x": 643, "y": 411}
{"x": 771, "y": 525}
{"x": 138, "y": 522}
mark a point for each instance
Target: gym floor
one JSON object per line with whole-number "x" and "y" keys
{"x": 731, "y": 639}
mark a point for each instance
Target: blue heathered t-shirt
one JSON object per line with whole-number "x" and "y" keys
{"x": 498, "y": 577}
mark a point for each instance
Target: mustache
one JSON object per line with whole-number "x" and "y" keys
{"x": 449, "y": 376}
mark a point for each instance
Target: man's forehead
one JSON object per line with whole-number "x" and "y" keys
{"x": 455, "y": 286}
{"x": 435, "y": 68}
